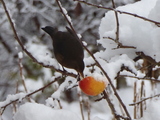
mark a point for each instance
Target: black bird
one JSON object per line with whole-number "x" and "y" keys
{"x": 67, "y": 48}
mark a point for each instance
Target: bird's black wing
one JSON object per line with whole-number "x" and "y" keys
{"x": 70, "y": 31}
{"x": 68, "y": 45}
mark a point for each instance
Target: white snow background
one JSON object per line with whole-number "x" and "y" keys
{"x": 136, "y": 32}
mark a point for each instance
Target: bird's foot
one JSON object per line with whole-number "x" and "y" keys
{"x": 64, "y": 74}
{"x": 78, "y": 77}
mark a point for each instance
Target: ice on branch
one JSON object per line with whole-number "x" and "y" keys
{"x": 10, "y": 98}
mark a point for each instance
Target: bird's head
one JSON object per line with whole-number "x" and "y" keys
{"x": 50, "y": 30}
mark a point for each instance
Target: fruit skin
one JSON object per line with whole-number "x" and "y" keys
{"x": 91, "y": 86}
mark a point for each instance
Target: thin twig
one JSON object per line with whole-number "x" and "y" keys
{"x": 148, "y": 58}
{"x": 110, "y": 105}
{"x": 80, "y": 102}
{"x": 155, "y": 80}
{"x": 114, "y": 89}
{"x": 98, "y": 64}
{"x": 120, "y": 45}
{"x": 22, "y": 77}
{"x": 116, "y": 116}
{"x": 68, "y": 21}
{"x": 121, "y": 12}
{"x": 117, "y": 23}
{"x": 21, "y": 74}
{"x": 29, "y": 94}
{"x": 141, "y": 95}
{"x": 6, "y": 46}
{"x": 88, "y": 109}
{"x": 59, "y": 103}
{"x": 144, "y": 99}
{"x": 26, "y": 51}
{"x": 135, "y": 99}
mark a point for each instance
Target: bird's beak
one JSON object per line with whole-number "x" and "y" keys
{"x": 44, "y": 29}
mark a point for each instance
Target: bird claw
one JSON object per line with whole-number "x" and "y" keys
{"x": 78, "y": 77}
{"x": 64, "y": 74}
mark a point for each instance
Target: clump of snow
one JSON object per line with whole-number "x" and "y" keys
{"x": 84, "y": 43}
{"x": 65, "y": 12}
{"x": 42, "y": 54}
{"x": 134, "y": 31}
{"x": 11, "y": 98}
{"x": 79, "y": 36}
{"x": 68, "y": 17}
{"x": 89, "y": 61}
{"x": 56, "y": 74}
{"x": 115, "y": 64}
{"x": 20, "y": 55}
{"x": 50, "y": 102}
{"x": 34, "y": 111}
{"x": 100, "y": 77}
{"x": 54, "y": 103}
{"x": 67, "y": 84}
{"x": 140, "y": 74}
{"x": 153, "y": 13}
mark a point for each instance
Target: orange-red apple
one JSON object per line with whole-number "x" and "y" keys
{"x": 92, "y": 85}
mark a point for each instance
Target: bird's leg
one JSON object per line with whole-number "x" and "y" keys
{"x": 78, "y": 77}
{"x": 64, "y": 72}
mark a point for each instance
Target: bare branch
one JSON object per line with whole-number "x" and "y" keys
{"x": 144, "y": 99}
{"x": 120, "y": 45}
{"x": 135, "y": 99}
{"x": 110, "y": 105}
{"x": 148, "y": 58}
{"x": 22, "y": 77}
{"x": 5, "y": 45}
{"x": 121, "y": 12}
{"x": 155, "y": 80}
{"x": 98, "y": 64}
{"x": 29, "y": 94}
{"x": 80, "y": 102}
{"x": 26, "y": 51}
{"x": 117, "y": 23}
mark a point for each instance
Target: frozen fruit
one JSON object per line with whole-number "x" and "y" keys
{"x": 93, "y": 85}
